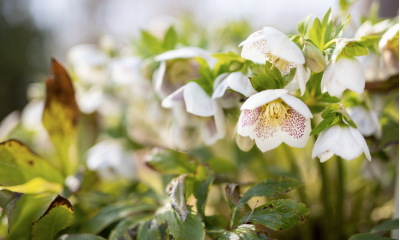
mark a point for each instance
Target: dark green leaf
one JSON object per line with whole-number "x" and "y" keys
{"x": 244, "y": 232}
{"x": 386, "y": 226}
{"x": 316, "y": 34}
{"x": 324, "y": 124}
{"x": 367, "y": 236}
{"x": 329, "y": 110}
{"x": 56, "y": 218}
{"x": 170, "y": 161}
{"x": 346, "y": 116}
{"x": 222, "y": 165}
{"x": 278, "y": 215}
{"x": 149, "y": 231}
{"x": 170, "y": 39}
{"x": 121, "y": 230}
{"x": 337, "y": 32}
{"x": 261, "y": 83}
{"x": 289, "y": 77}
{"x": 8, "y": 200}
{"x": 390, "y": 134}
{"x": 316, "y": 109}
{"x": 83, "y": 236}
{"x": 273, "y": 73}
{"x": 328, "y": 98}
{"x": 19, "y": 164}
{"x": 304, "y": 24}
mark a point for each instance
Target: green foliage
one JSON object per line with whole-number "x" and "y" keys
{"x": 278, "y": 215}
{"x": 84, "y": 236}
{"x": 337, "y": 31}
{"x": 316, "y": 34}
{"x": 177, "y": 193}
{"x": 386, "y": 226}
{"x": 367, "y": 236}
{"x": 170, "y": 161}
{"x": 304, "y": 24}
{"x": 122, "y": 228}
{"x": 56, "y": 218}
{"x": 243, "y": 232}
{"x": 170, "y": 39}
{"x": 355, "y": 49}
{"x": 148, "y": 231}
{"x": 8, "y": 200}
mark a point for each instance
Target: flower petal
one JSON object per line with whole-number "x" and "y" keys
{"x": 174, "y": 97}
{"x": 349, "y": 72}
{"x": 323, "y": 157}
{"x": 361, "y": 142}
{"x": 281, "y": 46}
{"x": 255, "y": 47}
{"x": 158, "y": 80}
{"x": 184, "y": 52}
{"x": 261, "y": 98}
{"x": 347, "y": 147}
{"x": 219, "y": 118}
{"x": 247, "y": 120}
{"x": 325, "y": 140}
{"x": 239, "y": 82}
{"x": 209, "y": 132}
{"x": 220, "y": 90}
{"x": 362, "y": 119}
{"x": 244, "y": 143}
{"x": 388, "y": 35}
{"x": 297, "y": 105}
{"x": 296, "y": 130}
{"x": 302, "y": 77}
{"x": 266, "y": 137}
{"x": 197, "y": 101}
{"x": 327, "y": 76}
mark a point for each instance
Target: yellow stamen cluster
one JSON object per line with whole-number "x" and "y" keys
{"x": 274, "y": 113}
{"x": 277, "y": 62}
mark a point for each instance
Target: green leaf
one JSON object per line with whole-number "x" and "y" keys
{"x": 149, "y": 231}
{"x": 346, "y": 116}
{"x": 169, "y": 161}
{"x": 232, "y": 192}
{"x": 177, "y": 193}
{"x": 304, "y": 24}
{"x": 326, "y": 26}
{"x": 386, "y": 226}
{"x": 8, "y": 200}
{"x": 328, "y": 98}
{"x": 324, "y": 124}
{"x": 244, "y": 232}
{"x": 228, "y": 57}
{"x": 329, "y": 110}
{"x": 19, "y": 164}
{"x": 191, "y": 229}
{"x": 369, "y": 40}
{"x": 355, "y": 49}
{"x": 150, "y": 43}
{"x": 113, "y": 213}
{"x": 83, "y": 236}
{"x": 203, "y": 180}
{"x": 367, "y": 236}
{"x": 337, "y": 32}
{"x": 205, "y": 84}
{"x": 289, "y": 77}
{"x": 204, "y": 69}
{"x": 56, "y": 218}
{"x": 170, "y": 39}
{"x": 222, "y": 165}
{"x": 121, "y": 230}
{"x": 278, "y": 215}
{"x": 267, "y": 188}
{"x": 316, "y": 34}
{"x": 261, "y": 83}
{"x": 390, "y": 134}
{"x": 273, "y": 73}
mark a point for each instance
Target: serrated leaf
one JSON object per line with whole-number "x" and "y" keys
{"x": 61, "y": 113}
{"x": 386, "y": 226}
{"x": 113, "y": 213}
{"x": 56, "y": 218}
{"x": 244, "y": 232}
{"x": 304, "y": 24}
{"x": 367, "y": 236}
{"x": 170, "y": 39}
{"x": 191, "y": 229}
{"x": 337, "y": 31}
{"x": 169, "y": 161}
{"x": 83, "y": 236}
{"x": 177, "y": 194}
{"x": 149, "y": 231}
{"x": 8, "y": 200}
{"x": 278, "y": 215}
{"x": 123, "y": 226}
{"x": 324, "y": 124}
{"x": 316, "y": 34}
{"x": 19, "y": 164}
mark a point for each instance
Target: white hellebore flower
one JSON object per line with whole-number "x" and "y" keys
{"x": 389, "y": 47}
{"x": 345, "y": 73}
{"x": 275, "y": 47}
{"x": 367, "y": 121}
{"x": 344, "y": 141}
{"x": 197, "y": 102}
{"x": 177, "y": 66}
{"x": 271, "y": 117}
{"x": 111, "y": 161}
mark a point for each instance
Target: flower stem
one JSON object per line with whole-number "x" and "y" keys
{"x": 340, "y": 199}
{"x": 328, "y": 44}
{"x": 325, "y": 198}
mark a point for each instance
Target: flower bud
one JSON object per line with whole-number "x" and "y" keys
{"x": 315, "y": 60}
{"x": 244, "y": 143}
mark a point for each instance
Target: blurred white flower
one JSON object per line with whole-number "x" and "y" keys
{"x": 107, "y": 43}
{"x": 89, "y": 64}
{"x": 197, "y": 102}
{"x": 8, "y": 124}
{"x": 374, "y": 69}
{"x": 367, "y": 121}
{"x": 346, "y": 73}
{"x": 344, "y": 141}
{"x": 89, "y": 100}
{"x": 177, "y": 66}
{"x": 111, "y": 161}
{"x": 271, "y": 117}
{"x": 275, "y": 47}
{"x": 389, "y": 47}
{"x": 368, "y": 29}
{"x": 373, "y": 170}
{"x": 244, "y": 143}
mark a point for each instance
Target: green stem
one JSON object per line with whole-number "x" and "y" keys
{"x": 340, "y": 199}
{"x": 325, "y": 197}
{"x": 328, "y": 44}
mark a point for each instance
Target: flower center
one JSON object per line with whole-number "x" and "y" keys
{"x": 282, "y": 65}
{"x": 274, "y": 113}
{"x": 180, "y": 70}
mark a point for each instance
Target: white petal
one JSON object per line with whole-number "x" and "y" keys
{"x": 323, "y": 157}
{"x": 327, "y": 76}
{"x": 174, "y": 97}
{"x": 363, "y": 120}
{"x": 244, "y": 143}
{"x": 219, "y": 80}
{"x": 361, "y": 141}
{"x": 335, "y": 88}
{"x": 388, "y": 35}
{"x": 350, "y": 73}
{"x": 261, "y": 98}
{"x": 326, "y": 139}
{"x": 158, "y": 80}
{"x": 197, "y": 101}
{"x": 281, "y": 46}
{"x": 296, "y": 130}
{"x": 209, "y": 132}
{"x": 255, "y": 47}
{"x": 184, "y": 52}
{"x": 247, "y": 120}
{"x": 182, "y": 117}
{"x": 266, "y": 138}
{"x": 302, "y": 77}
{"x": 347, "y": 147}
{"x": 239, "y": 82}
{"x": 220, "y": 90}
{"x": 219, "y": 118}
{"x": 297, "y": 105}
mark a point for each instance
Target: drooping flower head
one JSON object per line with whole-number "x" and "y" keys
{"x": 271, "y": 117}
